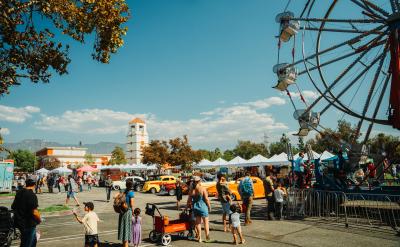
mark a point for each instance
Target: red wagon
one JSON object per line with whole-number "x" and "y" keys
{"x": 163, "y": 228}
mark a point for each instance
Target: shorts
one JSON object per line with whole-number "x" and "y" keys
{"x": 91, "y": 240}
{"x": 70, "y": 194}
{"x": 226, "y": 207}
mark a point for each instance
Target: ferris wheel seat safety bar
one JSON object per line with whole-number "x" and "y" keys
{"x": 289, "y": 27}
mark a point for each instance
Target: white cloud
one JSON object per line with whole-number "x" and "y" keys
{"x": 218, "y": 126}
{"x": 17, "y": 115}
{"x": 4, "y": 131}
{"x": 307, "y": 94}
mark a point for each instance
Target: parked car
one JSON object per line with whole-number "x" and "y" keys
{"x": 138, "y": 183}
{"x": 170, "y": 189}
{"x": 233, "y": 186}
{"x": 154, "y": 186}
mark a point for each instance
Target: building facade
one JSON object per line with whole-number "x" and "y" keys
{"x": 137, "y": 138}
{"x": 70, "y": 157}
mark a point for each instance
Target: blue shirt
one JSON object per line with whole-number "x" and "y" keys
{"x": 298, "y": 165}
{"x": 129, "y": 195}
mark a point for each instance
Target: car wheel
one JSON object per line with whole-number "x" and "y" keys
{"x": 153, "y": 190}
{"x": 233, "y": 197}
{"x": 139, "y": 187}
{"x": 166, "y": 239}
{"x": 171, "y": 192}
{"x": 153, "y": 236}
{"x": 116, "y": 187}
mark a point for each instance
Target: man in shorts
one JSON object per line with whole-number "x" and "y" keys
{"x": 89, "y": 222}
{"x": 224, "y": 196}
{"x": 71, "y": 192}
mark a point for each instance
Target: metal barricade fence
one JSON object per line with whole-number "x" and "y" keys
{"x": 372, "y": 210}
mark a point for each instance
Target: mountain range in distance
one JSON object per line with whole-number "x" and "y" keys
{"x": 34, "y": 145}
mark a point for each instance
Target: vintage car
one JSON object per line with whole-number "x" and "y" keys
{"x": 137, "y": 183}
{"x": 154, "y": 186}
{"x": 233, "y": 186}
{"x": 170, "y": 189}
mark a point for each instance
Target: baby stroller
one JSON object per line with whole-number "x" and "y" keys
{"x": 7, "y": 229}
{"x": 163, "y": 227}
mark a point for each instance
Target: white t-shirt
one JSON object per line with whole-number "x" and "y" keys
{"x": 89, "y": 222}
{"x": 278, "y": 193}
{"x": 235, "y": 219}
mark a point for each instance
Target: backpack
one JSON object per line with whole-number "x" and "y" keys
{"x": 120, "y": 205}
{"x": 247, "y": 187}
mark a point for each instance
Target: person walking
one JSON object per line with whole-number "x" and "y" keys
{"x": 268, "y": 183}
{"x": 50, "y": 183}
{"x": 136, "y": 228}
{"x": 80, "y": 184}
{"x": 72, "y": 190}
{"x": 26, "y": 213}
{"x": 246, "y": 192}
{"x": 279, "y": 195}
{"x": 108, "y": 185}
{"x": 224, "y": 196}
{"x": 125, "y": 218}
{"x": 89, "y": 182}
{"x": 179, "y": 193}
{"x": 89, "y": 222}
{"x": 198, "y": 200}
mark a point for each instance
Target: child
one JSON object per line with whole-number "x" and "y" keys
{"x": 136, "y": 228}
{"x": 279, "y": 194}
{"x": 234, "y": 222}
{"x": 89, "y": 222}
{"x": 178, "y": 193}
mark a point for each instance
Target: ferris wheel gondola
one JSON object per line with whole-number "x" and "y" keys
{"x": 358, "y": 59}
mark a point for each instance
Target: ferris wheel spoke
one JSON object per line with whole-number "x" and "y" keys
{"x": 375, "y": 7}
{"x": 337, "y": 30}
{"x": 337, "y": 80}
{"x": 362, "y": 5}
{"x": 348, "y": 87}
{"x": 377, "y": 107}
{"x": 347, "y": 42}
{"x": 372, "y": 88}
{"x": 338, "y": 20}
{"x": 395, "y": 7}
{"x": 356, "y": 51}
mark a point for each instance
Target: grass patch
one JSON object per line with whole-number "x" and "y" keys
{"x": 54, "y": 208}
{"x": 7, "y": 194}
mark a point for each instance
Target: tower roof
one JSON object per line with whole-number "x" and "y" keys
{"x": 136, "y": 120}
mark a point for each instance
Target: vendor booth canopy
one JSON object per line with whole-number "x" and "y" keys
{"x": 219, "y": 162}
{"x": 61, "y": 170}
{"x": 257, "y": 160}
{"x": 204, "y": 164}
{"x": 42, "y": 171}
{"x": 279, "y": 160}
{"x": 236, "y": 162}
{"x": 326, "y": 155}
{"x": 86, "y": 169}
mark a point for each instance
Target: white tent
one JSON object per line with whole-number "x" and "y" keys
{"x": 61, "y": 170}
{"x": 204, "y": 164}
{"x": 257, "y": 160}
{"x": 151, "y": 167}
{"x": 219, "y": 162}
{"x": 42, "y": 171}
{"x": 326, "y": 155}
{"x": 236, "y": 162}
{"x": 315, "y": 154}
{"x": 279, "y": 160}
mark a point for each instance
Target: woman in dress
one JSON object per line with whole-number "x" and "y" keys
{"x": 198, "y": 200}
{"x": 178, "y": 193}
{"x": 125, "y": 219}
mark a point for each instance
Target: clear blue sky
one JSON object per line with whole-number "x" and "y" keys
{"x": 196, "y": 67}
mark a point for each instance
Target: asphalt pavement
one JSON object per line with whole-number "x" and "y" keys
{"x": 61, "y": 229}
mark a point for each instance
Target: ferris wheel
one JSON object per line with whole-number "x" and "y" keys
{"x": 346, "y": 50}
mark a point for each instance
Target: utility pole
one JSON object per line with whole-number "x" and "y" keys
{"x": 266, "y": 141}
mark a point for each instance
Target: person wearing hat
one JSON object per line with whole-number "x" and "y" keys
{"x": 26, "y": 213}
{"x": 198, "y": 200}
{"x": 89, "y": 222}
{"x": 108, "y": 185}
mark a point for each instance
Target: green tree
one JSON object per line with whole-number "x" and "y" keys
{"x": 248, "y": 149}
{"x": 388, "y": 144}
{"x": 117, "y": 156}
{"x": 31, "y": 50}
{"x": 89, "y": 159}
{"x": 228, "y": 155}
{"x": 23, "y": 159}
{"x": 181, "y": 153}
{"x": 49, "y": 163}
{"x": 277, "y": 148}
{"x": 301, "y": 146}
{"x": 156, "y": 153}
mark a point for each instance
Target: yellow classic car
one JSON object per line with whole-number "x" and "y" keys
{"x": 155, "y": 185}
{"x": 258, "y": 187}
